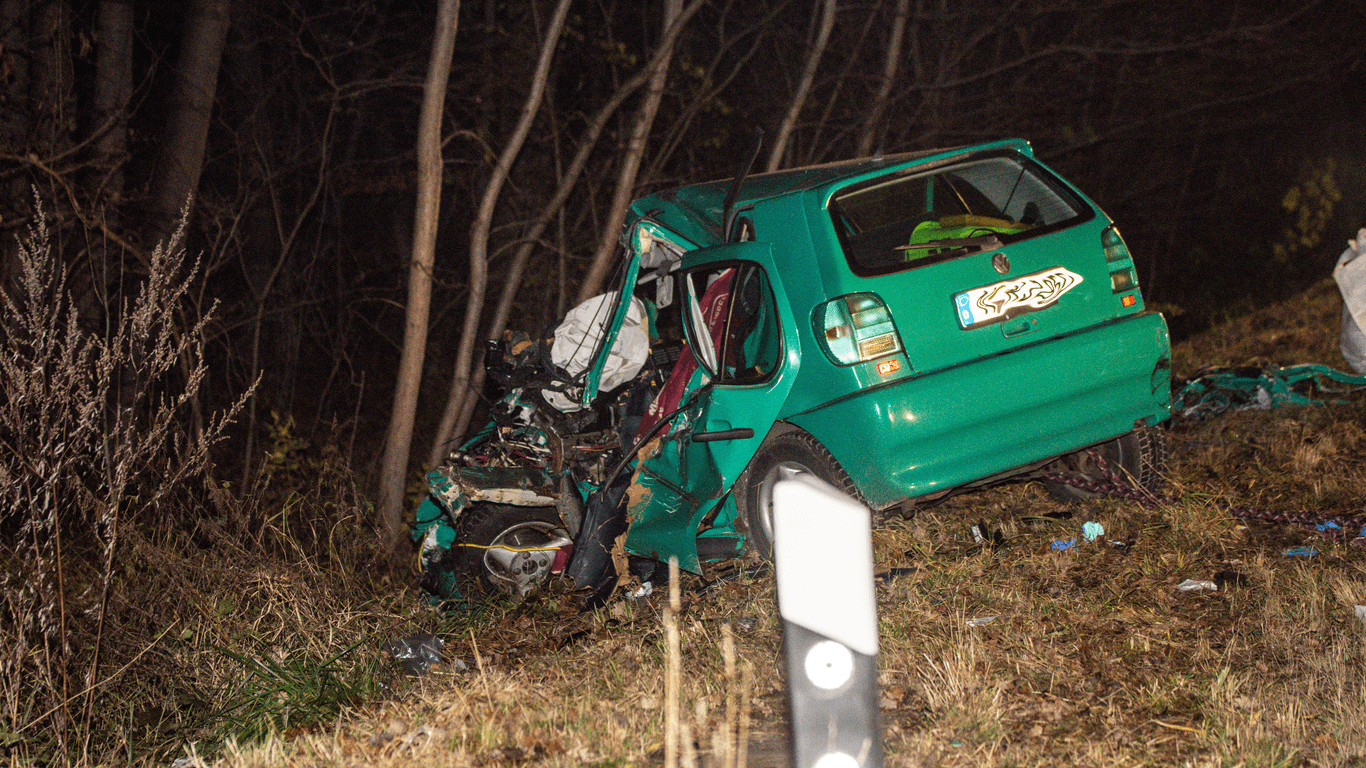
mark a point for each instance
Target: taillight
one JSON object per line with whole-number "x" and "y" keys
{"x": 1115, "y": 249}
{"x": 1123, "y": 276}
{"x": 1122, "y": 280}
{"x": 856, "y": 328}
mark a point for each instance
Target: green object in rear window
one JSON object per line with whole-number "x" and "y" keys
{"x": 956, "y": 228}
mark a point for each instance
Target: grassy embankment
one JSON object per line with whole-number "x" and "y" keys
{"x": 1094, "y": 656}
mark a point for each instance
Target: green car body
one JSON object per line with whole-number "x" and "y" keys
{"x": 962, "y": 405}
{"x": 915, "y": 324}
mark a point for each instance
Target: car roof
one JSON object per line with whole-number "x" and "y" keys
{"x": 695, "y": 212}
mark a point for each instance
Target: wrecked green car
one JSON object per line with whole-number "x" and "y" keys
{"x": 903, "y": 327}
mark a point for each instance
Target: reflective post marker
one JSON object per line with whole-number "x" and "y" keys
{"x": 823, "y": 553}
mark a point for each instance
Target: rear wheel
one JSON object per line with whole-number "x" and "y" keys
{"x": 782, "y": 457}
{"x": 1137, "y": 460}
{"x": 509, "y": 549}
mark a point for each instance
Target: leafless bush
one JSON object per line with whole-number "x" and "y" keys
{"x": 96, "y": 442}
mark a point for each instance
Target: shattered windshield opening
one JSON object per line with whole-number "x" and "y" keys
{"x": 910, "y": 220}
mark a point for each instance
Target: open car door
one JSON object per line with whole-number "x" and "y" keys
{"x": 741, "y": 336}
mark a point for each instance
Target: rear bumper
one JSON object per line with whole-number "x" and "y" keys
{"x": 945, "y": 428}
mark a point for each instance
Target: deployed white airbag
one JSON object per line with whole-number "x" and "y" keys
{"x": 578, "y": 337}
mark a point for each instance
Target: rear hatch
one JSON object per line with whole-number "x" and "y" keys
{"x": 977, "y": 255}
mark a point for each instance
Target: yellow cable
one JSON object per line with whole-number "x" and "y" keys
{"x": 510, "y": 549}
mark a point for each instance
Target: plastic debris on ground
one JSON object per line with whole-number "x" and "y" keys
{"x": 1350, "y": 274}
{"x": 985, "y": 537}
{"x": 1211, "y": 391}
{"x": 1197, "y": 585}
{"x": 1062, "y": 545}
{"x": 417, "y": 653}
{"x": 1300, "y": 552}
{"x": 1092, "y": 531}
{"x": 1361, "y": 613}
{"x": 981, "y": 621}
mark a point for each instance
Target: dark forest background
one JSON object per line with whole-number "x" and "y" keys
{"x": 1225, "y": 138}
{"x": 205, "y": 462}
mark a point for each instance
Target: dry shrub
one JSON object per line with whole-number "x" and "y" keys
{"x": 101, "y": 444}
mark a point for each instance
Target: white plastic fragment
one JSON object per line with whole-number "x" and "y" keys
{"x": 1361, "y": 613}
{"x": 1350, "y": 274}
{"x": 981, "y": 621}
{"x": 1195, "y": 585}
{"x": 1092, "y": 530}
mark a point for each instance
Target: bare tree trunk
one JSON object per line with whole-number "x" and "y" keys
{"x": 872, "y": 129}
{"x": 715, "y": 86}
{"x": 50, "y": 95}
{"x": 821, "y": 143}
{"x": 14, "y": 123}
{"x": 398, "y": 441}
{"x": 196, "y": 79}
{"x": 113, "y": 88}
{"x": 813, "y": 60}
{"x": 630, "y": 165}
{"x": 14, "y": 35}
{"x": 568, "y": 179}
{"x": 479, "y": 236}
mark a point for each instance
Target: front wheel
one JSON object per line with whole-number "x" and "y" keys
{"x": 1137, "y": 460}
{"x": 509, "y": 549}
{"x": 782, "y": 457}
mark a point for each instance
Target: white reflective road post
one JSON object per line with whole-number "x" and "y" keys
{"x": 823, "y": 551}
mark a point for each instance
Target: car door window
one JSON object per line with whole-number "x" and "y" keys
{"x": 748, "y": 341}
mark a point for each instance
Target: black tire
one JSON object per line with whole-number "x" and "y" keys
{"x": 780, "y": 457}
{"x": 1138, "y": 459}
{"x": 485, "y": 527}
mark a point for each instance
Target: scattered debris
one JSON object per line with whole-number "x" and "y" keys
{"x": 1300, "y": 552}
{"x": 417, "y": 653}
{"x": 1350, "y": 274}
{"x": 1196, "y": 585}
{"x": 1212, "y": 391}
{"x": 1092, "y": 531}
{"x": 1361, "y": 613}
{"x": 1060, "y": 545}
{"x": 981, "y": 621}
{"x": 985, "y": 537}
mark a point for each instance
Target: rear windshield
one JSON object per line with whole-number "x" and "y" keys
{"x": 909, "y": 219}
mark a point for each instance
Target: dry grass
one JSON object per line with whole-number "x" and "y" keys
{"x": 1094, "y": 657}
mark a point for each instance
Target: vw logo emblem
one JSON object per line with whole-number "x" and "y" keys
{"x": 1000, "y": 262}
